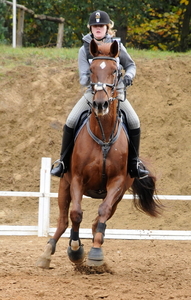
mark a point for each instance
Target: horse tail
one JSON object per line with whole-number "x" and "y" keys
{"x": 145, "y": 198}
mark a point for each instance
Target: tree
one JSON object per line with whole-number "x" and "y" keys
{"x": 185, "y": 33}
{"x": 144, "y": 24}
{"x": 3, "y": 29}
{"x": 161, "y": 28}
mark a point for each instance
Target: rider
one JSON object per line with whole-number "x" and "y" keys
{"x": 101, "y": 31}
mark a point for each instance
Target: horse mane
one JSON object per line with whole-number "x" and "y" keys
{"x": 104, "y": 49}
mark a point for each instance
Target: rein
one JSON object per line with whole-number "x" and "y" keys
{"x": 105, "y": 145}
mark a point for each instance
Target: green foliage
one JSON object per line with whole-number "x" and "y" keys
{"x": 160, "y": 28}
{"x": 148, "y": 24}
{"x": 3, "y": 29}
{"x": 39, "y": 33}
{"x": 160, "y": 32}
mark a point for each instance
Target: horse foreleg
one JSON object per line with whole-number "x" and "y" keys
{"x": 63, "y": 203}
{"x": 105, "y": 212}
{"x": 75, "y": 250}
{"x": 95, "y": 223}
{"x": 95, "y": 256}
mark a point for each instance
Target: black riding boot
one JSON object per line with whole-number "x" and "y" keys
{"x": 67, "y": 143}
{"x": 135, "y": 166}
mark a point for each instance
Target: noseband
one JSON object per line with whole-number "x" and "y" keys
{"x": 99, "y": 86}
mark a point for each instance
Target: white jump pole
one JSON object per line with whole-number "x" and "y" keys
{"x": 44, "y": 200}
{"x": 14, "y": 23}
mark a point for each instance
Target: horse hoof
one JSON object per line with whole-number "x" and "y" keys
{"x": 76, "y": 256}
{"x": 43, "y": 263}
{"x": 45, "y": 259}
{"x": 95, "y": 257}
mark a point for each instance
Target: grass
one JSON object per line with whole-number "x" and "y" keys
{"x": 11, "y": 57}
{"x": 156, "y": 54}
{"x": 50, "y": 53}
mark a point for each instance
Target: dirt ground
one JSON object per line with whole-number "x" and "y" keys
{"x": 133, "y": 270}
{"x": 35, "y": 99}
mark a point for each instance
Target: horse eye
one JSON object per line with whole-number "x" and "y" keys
{"x": 115, "y": 71}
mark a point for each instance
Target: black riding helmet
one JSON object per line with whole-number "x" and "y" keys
{"x": 99, "y": 17}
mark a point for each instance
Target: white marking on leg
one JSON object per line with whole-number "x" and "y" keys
{"x": 75, "y": 245}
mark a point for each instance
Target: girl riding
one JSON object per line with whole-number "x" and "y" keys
{"x": 101, "y": 31}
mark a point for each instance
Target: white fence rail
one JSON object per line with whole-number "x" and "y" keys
{"x": 43, "y": 228}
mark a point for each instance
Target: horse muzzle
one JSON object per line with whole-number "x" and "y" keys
{"x": 101, "y": 108}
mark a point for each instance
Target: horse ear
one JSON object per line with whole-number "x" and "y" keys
{"x": 94, "y": 48}
{"x": 114, "y": 49}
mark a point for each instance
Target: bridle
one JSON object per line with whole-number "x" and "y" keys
{"x": 99, "y": 86}
{"x": 106, "y": 145}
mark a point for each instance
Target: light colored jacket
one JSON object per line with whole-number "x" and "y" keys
{"x": 125, "y": 62}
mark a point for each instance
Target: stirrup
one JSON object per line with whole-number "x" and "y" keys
{"x": 55, "y": 170}
{"x": 58, "y": 161}
{"x": 141, "y": 168}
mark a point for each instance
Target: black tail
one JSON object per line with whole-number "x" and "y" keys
{"x": 145, "y": 198}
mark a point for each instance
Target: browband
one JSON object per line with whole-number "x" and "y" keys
{"x": 104, "y": 57}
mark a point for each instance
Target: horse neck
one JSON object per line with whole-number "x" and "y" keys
{"x": 108, "y": 122}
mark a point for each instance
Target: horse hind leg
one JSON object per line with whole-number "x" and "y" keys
{"x": 45, "y": 258}
{"x": 63, "y": 203}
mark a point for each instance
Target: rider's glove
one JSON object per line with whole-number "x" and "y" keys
{"x": 127, "y": 81}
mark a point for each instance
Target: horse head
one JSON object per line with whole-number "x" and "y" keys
{"x": 103, "y": 75}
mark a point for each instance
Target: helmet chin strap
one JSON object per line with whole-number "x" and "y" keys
{"x": 93, "y": 37}
{"x": 99, "y": 40}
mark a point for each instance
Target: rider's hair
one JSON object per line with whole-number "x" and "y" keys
{"x": 110, "y": 29}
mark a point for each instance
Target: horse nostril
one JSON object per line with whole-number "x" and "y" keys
{"x": 100, "y": 106}
{"x": 105, "y": 106}
{"x": 94, "y": 104}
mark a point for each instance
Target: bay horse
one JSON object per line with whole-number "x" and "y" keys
{"x": 99, "y": 165}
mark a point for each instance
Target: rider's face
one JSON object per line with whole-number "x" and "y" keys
{"x": 99, "y": 31}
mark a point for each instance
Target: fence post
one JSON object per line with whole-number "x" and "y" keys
{"x": 20, "y": 29}
{"x": 44, "y": 201}
{"x": 60, "y": 35}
